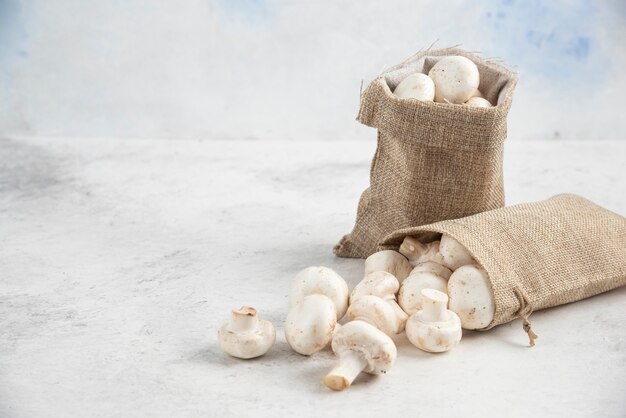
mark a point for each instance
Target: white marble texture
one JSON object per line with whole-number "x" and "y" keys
{"x": 119, "y": 260}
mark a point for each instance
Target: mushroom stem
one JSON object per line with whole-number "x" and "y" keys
{"x": 400, "y": 314}
{"x": 244, "y": 319}
{"x": 434, "y": 305}
{"x": 351, "y": 364}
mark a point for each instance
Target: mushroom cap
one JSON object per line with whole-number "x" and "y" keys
{"x": 389, "y": 261}
{"x": 247, "y": 344}
{"x": 434, "y": 337}
{"x": 378, "y": 312}
{"x": 310, "y": 324}
{"x": 322, "y": 281}
{"x": 432, "y": 267}
{"x": 416, "y": 86}
{"x": 478, "y": 102}
{"x": 410, "y": 296}
{"x": 369, "y": 342}
{"x": 417, "y": 252}
{"x": 456, "y": 79}
{"x": 379, "y": 283}
{"x": 454, "y": 254}
{"x": 471, "y": 296}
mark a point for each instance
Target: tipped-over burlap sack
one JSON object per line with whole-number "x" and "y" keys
{"x": 538, "y": 255}
{"x": 434, "y": 161}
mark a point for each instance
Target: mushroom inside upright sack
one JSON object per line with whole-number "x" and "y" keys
{"x": 452, "y": 79}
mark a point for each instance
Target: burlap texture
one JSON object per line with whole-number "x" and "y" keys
{"x": 555, "y": 251}
{"x": 434, "y": 161}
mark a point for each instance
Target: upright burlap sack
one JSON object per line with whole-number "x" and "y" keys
{"x": 434, "y": 161}
{"x": 538, "y": 255}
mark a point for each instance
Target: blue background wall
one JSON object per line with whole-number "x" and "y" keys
{"x": 292, "y": 69}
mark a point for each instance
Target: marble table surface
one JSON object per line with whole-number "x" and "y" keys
{"x": 120, "y": 259}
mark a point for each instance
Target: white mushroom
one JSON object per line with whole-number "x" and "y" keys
{"x": 322, "y": 281}
{"x": 318, "y": 299}
{"x": 434, "y": 328}
{"x": 384, "y": 285}
{"x": 245, "y": 336}
{"x": 360, "y": 347}
{"x": 478, "y": 102}
{"x": 417, "y": 252}
{"x": 390, "y": 261}
{"x": 453, "y": 253}
{"x": 410, "y": 295}
{"x": 456, "y": 79}
{"x": 416, "y": 86}
{"x": 477, "y": 93}
{"x": 379, "y": 313}
{"x": 432, "y": 267}
{"x": 379, "y": 283}
{"x": 471, "y": 296}
{"x": 310, "y": 324}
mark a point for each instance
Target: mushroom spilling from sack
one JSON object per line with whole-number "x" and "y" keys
{"x": 318, "y": 299}
{"x": 434, "y": 328}
{"x": 405, "y": 289}
{"x": 360, "y": 347}
{"x": 471, "y": 296}
{"x": 410, "y": 295}
{"x": 389, "y": 261}
{"x": 448, "y": 267}
{"x": 430, "y": 288}
{"x": 373, "y": 300}
{"x": 453, "y": 79}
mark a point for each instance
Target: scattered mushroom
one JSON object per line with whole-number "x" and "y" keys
{"x": 410, "y": 295}
{"x": 478, "y": 102}
{"x": 471, "y": 296}
{"x": 434, "y": 328}
{"x": 245, "y": 336}
{"x": 390, "y": 261}
{"x": 379, "y": 283}
{"x": 383, "y": 286}
{"x": 378, "y": 312}
{"x": 323, "y": 281}
{"x": 453, "y": 253}
{"x": 417, "y": 252}
{"x": 318, "y": 298}
{"x": 310, "y": 324}
{"x": 416, "y": 86}
{"x": 456, "y": 79}
{"x": 360, "y": 347}
{"x": 432, "y": 267}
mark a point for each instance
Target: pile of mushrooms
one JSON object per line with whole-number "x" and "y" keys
{"x": 431, "y": 290}
{"x": 453, "y": 79}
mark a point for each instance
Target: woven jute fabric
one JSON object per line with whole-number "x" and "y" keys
{"x": 538, "y": 255}
{"x": 434, "y": 161}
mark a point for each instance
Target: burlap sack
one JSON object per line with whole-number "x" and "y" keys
{"x": 434, "y": 161}
{"x": 538, "y": 255}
